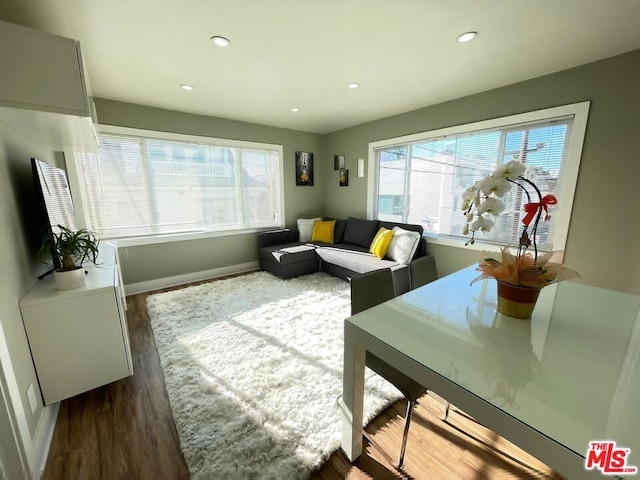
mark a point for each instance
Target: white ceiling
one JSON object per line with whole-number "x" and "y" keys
{"x": 303, "y": 53}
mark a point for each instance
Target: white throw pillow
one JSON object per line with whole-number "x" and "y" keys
{"x": 305, "y": 228}
{"x": 403, "y": 245}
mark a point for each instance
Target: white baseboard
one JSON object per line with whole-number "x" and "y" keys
{"x": 166, "y": 282}
{"x": 42, "y": 440}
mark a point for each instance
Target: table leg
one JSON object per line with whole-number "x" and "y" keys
{"x": 353, "y": 396}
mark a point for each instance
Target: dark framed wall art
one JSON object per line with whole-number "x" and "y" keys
{"x": 338, "y": 162}
{"x": 343, "y": 178}
{"x": 304, "y": 168}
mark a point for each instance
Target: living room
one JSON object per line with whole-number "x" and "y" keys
{"x": 600, "y": 242}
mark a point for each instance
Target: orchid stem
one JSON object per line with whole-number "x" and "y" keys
{"x": 534, "y": 230}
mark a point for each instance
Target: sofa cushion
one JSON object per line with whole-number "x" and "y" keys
{"x": 277, "y": 237}
{"x": 305, "y": 228}
{"x": 287, "y": 253}
{"x": 323, "y": 231}
{"x": 338, "y": 231}
{"x": 421, "y": 251}
{"x": 350, "y": 247}
{"x": 360, "y": 231}
{"x": 380, "y": 243}
{"x": 359, "y": 262}
{"x": 403, "y": 245}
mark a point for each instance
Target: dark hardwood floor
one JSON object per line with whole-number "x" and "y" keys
{"x": 125, "y": 430}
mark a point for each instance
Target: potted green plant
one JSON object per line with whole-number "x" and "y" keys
{"x": 73, "y": 248}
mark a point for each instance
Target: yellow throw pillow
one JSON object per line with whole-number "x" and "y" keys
{"x": 381, "y": 242}
{"x": 323, "y": 231}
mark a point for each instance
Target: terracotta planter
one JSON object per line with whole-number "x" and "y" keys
{"x": 516, "y": 301}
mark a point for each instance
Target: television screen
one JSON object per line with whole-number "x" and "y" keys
{"x": 56, "y": 206}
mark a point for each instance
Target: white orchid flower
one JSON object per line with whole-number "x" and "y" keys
{"x": 469, "y": 195}
{"x": 465, "y": 229}
{"x": 469, "y": 217}
{"x": 511, "y": 170}
{"x": 492, "y": 206}
{"x": 482, "y": 224}
{"x": 494, "y": 185}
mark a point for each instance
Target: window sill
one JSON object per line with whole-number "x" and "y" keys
{"x": 478, "y": 246}
{"x": 181, "y": 237}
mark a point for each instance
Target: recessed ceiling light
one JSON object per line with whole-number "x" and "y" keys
{"x": 295, "y": 109}
{"x": 220, "y": 41}
{"x": 353, "y": 85}
{"x": 184, "y": 86}
{"x": 467, "y": 36}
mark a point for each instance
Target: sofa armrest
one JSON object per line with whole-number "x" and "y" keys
{"x": 277, "y": 237}
{"x": 422, "y": 270}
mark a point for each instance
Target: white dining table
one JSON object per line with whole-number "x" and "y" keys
{"x": 551, "y": 385}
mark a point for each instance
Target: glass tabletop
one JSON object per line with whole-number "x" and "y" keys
{"x": 572, "y": 372}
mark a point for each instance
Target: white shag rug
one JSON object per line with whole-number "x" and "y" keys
{"x": 253, "y": 368}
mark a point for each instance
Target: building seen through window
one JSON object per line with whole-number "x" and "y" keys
{"x": 141, "y": 186}
{"x": 422, "y": 181}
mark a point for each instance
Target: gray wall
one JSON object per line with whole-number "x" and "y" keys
{"x": 148, "y": 262}
{"x": 10, "y": 466}
{"x": 19, "y": 244}
{"x": 604, "y": 231}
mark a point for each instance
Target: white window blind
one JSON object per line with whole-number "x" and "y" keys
{"x": 422, "y": 181}
{"x": 140, "y": 186}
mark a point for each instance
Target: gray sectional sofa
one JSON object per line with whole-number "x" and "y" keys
{"x": 283, "y": 254}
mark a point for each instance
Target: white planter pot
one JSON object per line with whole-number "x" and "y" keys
{"x": 69, "y": 280}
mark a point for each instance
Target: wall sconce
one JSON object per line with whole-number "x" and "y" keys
{"x": 361, "y": 167}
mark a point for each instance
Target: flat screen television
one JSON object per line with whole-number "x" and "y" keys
{"x": 54, "y": 203}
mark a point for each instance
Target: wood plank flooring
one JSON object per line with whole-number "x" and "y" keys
{"x": 125, "y": 430}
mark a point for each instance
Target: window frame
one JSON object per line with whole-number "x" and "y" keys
{"x": 580, "y": 113}
{"x": 80, "y": 202}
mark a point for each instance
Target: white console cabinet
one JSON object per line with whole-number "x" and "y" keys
{"x": 79, "y": 338}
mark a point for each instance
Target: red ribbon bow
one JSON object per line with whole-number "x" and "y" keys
{"x": 531, "y": 208}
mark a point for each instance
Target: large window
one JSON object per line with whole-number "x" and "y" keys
{"x": 420, "y": 178}
{"x": 142, "y": 185}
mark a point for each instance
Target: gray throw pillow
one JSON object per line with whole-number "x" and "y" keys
{"x": 403, "y": 245}
{"x": 305, "y": 228}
